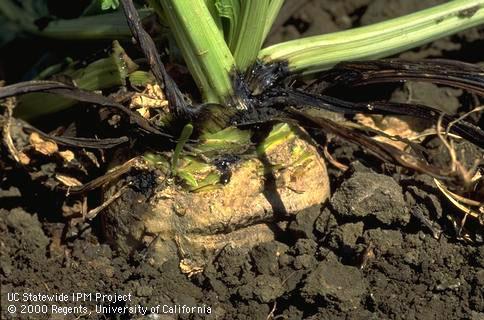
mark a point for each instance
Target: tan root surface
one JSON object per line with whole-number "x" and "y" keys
{"x": 242, "y": 213}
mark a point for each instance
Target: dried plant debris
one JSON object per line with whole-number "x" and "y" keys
{"x": 177, "y": 102}
{"x": 29, "y": 146}
{"x": 152, "y": 97}
{"x": 452, "y": 73}
{"x": 45, "y": 147}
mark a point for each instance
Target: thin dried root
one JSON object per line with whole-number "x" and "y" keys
{"x": 332, "y": 160}
{"x": 468, "y": 177}
{"x": 19, "y": 157}
{"x": 94, "y": 212}
{"x": 463, "y": 204}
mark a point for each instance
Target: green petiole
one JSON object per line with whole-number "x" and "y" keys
{"x": 203, "y": 47}
{"x": 184, "y": 136}
{"x": 250, "y": 32}
{"x": 101, "y": 74}
{"x": 313, "y": 54}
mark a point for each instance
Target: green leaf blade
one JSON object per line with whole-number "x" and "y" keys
{"x": 109, "y": 4}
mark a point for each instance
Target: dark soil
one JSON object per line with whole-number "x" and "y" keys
{"x": 384, "y": 247}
